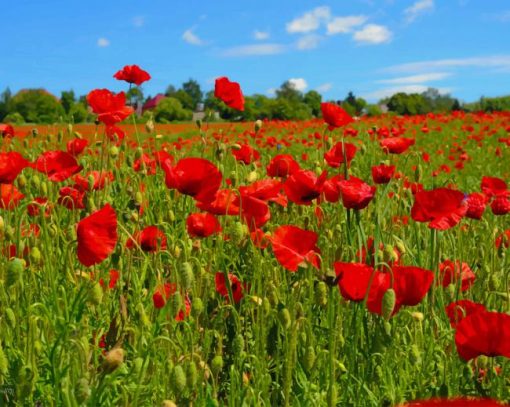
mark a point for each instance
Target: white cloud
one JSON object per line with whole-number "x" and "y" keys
{"x": 261, "y": 35}
{"x": 414, "y": 79}
{"x": 310, "y": 41}
{"x": 383, "y": 93}
{"x": 493, "y": 61}
{"x": 343, "y": 25}
{"x": 373, "y": 34}
{"x": 310, "y": 21}
{"x": 139, "y": 21}
{"x": 417, "y": 9}
{"x": 298, "y": 84}
{"x": 191, "y": 38}
{"x": 254, "y": 49}
{"x": 271, "y": 91}
{"x": 103, "y": 42}
{"x": 325, "y": 87}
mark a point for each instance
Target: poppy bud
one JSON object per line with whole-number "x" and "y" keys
{"x": 113, "y": 359}
{"x": 415, "y": 355}
{"x": 300, "y": 312}
{"x": 216, "y": 365}
{"x": 137, "y": 366}
{"x": 9, "y": 232}
{"x": 26, "y": 143}
{"x": 192, "y": 375}
{"x": 168, "y": 403}
{"x": 389, "y": 254}
{"x": 14, "y": 269}
{"x": 11, "y": 318}
{"x": 417, "y": 316}
{"x": 388, "y": 303}
{"x": 284, "y": 317}
{"x": 239, "y": 232}
{"x": 238, "y": 345}
{"x": 4, "y": 362}
{"x": 258, "y": 125}
{"x": 176, "y": 302}
{"x": 83, "y": 391}
{"x": 35, "y": 255}
{"x": 138, "y": 198}
{"x": 22, "y": 181}
{"x": 113, "y": 151}
{"x": 187, "y": 275}
{"x": 309, "y": 358}
{"x": 149, "y": 126}
{"x": 35, "y": 132}
{"x": 96, "y": 294}
{"x": 321, "y": 294}
{"x": 198, "y": 122}
{"x": 2, "y": 225}
{"x": 44, "y": 188}
{"x": 142, "y": 315}
{"x": 171, "y": 215}
{"x": 138, "y": 153}
{"x": 451, "y": 290}
{"x": 400, "y": 246}
{"x": 252, "y": 176}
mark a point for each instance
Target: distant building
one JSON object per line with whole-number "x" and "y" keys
{"x": 153, "y": 102}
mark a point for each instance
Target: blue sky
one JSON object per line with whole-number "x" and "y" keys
{"x": 372, "y": 47}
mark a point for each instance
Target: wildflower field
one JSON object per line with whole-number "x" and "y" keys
{"x": 338, "y": 261}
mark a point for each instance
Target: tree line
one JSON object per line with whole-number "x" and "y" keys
{"x": 288, "y": 103}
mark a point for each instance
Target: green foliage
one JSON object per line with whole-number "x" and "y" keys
{"x": 373, "y": 110}
{"x": 14, "y": 118}
{"x": 408, "y": 104}
{"x": 79, "y": 113}
{"x": 5, "y": 98}
{"x": 498, "y": 104}
{"x": 67, "y": 100}
{"x": 36, "y": 106}
{"x": 192, "y": 88}
{"x": 170, "y": 109}
{"x": 313, "y": 99}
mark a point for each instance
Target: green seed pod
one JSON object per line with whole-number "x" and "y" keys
{"x": 321, "y": 294}
{"x": 388, "y": 303}
{"x": 239, "y": 232}
{"x": 35, "y": 255}
{"x": 113, "y": 151}
{"x": 192, "y": 375}
{"x": 142, "y": 315}
{"x": 178, "y": 379}
{"x": 83, "y": 391}
{"x": 284, "y": 317}
{"x": 13, "y": 273}
{"x": 96, "y": 294}
{"x": 176, "y": 302}
{"x": 187, "y": 276}
{"x": 266, "y": 305}
{"x": 11, "y": 317}
{"x": 171, "y": 216}
{"x": 197, "y": 307}
{"x": 309, "y": 358}
{"x": 238, "y": 345}
{"x": 4, "y": 362}
{"x": 44, "y": 188}
{"x": 216, "y": 365}
{"x": 22, "y": 181}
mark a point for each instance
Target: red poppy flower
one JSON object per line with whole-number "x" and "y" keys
{"x": 235, "y": 285}
{"x": 254, "y": 211}
{"x": 396, "y": 145}
{"x": 492, "y": 186}
{"x": 93, "y": 181}
{"x": 265, "y": 189}
{"x": 34, "y": 208}
{"x": 76, "y": 146}
{"x": 115, "y": 134}
{"x": 202, "y": 225}
{"x": 483, "y": 333}
{"x": 503, "y": 240}
{"x": 335, "y": 156}
{"x": 331, "y": 188}
{"x": 71, "y": 198}
{"x": 10, "y": 197}
{"x": 355, "y": 193}
{"x": 111, "y": 108}
{"x": 304, "y": 186}
{"x": 11, "y": 164}
{"x": 459, "y": 310}
{"x": 450, "y": 272}
{"x": 411, "y": 284}
{"x": 476, "y": 203}
{"x": 114, "y": 277}
{"x": 151, "y": 239}
{"x": 353, "y": 279}
{"x": 225, "y": 202}
{"x": 97, "y": 236}
{"x": 229, "y": 92}
{"x": 382, "y": 174}
{"x": 6, "y": 130}
{"x": 259, "y": 239}
{"x": 367, "y": 253}
{"x": 163, "y": 293}
{"x": 455, "y": 402}
{"x": 196, "y": 177}
{"x": 443, "y": 208}
{"x": 57, "y": 165}
{"x": 132, "y": 74}
{"x": 335, "y": 116}
{"x": 246, "y": 154}
{"x": 282, "y": 165}
{"x": 500, "y": 205}
{"x": 294, "y": 247}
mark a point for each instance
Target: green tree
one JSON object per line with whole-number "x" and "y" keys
{"x": 408, "y": 104}
{"x": 67, "y": 99}
{"x": 5, "y": 99}
{"x": 170, "y": 109}
{"x": 192, "y": 88}
{"x": 37, "y": 106}
{"x": 313, "y": 99}
{"x": 289, "y": 92}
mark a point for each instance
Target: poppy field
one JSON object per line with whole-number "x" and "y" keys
{"x": 334, "y": 262}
